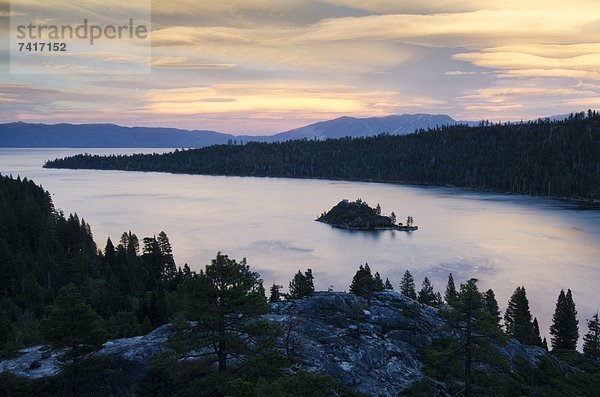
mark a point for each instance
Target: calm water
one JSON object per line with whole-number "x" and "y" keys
{"x": 505, "y": 241}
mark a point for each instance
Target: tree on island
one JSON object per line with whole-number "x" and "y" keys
{"x": 378, "y": 209}
{"x": 302, "y": 284}
{"x": 393, "y": 217}
{"x": 591, "y": 340}
{"x": 407, "y": 285}
{"x": 565, "y": 326}
{"x": 409, "y": 221}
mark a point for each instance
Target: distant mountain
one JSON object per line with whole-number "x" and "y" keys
{"x": 110, "y": 135}
{"x": 104, "y": 135}
{"x": 355, "y": 127}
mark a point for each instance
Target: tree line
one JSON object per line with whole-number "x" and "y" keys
{"x": 546, "y": 158}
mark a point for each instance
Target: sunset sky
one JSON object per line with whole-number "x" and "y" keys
{"x": 265, "y": 66}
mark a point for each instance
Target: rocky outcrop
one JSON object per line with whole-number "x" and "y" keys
{"x": 368, "y": 344}
{"x": 132, "y": 355}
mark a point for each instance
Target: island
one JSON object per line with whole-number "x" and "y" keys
{"x": 358, "y": 215}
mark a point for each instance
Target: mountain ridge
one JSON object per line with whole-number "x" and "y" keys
{"x": 110, "y": 135}
{"x": 22, "y": 134}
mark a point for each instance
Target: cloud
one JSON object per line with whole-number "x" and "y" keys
{"x": 183, "y": 62}
{"x": 459, "y": 73}
{"x": 274, "y": 48}
{"x": 270, "y": 65}
{"x": 282, "y": 98}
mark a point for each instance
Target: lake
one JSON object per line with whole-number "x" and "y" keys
{"x": 503, "y": 240}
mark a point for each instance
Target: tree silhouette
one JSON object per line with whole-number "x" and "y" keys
{"x": 219, "y": 303}
{"x": 565, "y": 326}
{"x": 591, "y": 340}
{"x": 407, "y": 285}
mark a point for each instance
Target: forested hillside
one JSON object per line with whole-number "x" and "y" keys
{"x": 547, "y": 158}
{"x": 42, "y": 250}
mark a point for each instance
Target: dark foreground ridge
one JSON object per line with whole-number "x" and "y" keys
{"x": 370, "y": 345}
{"x": 358, "y": 215}
{"x": 545, "y": 158}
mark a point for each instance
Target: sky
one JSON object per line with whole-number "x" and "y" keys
{"x": 266, "y": 66}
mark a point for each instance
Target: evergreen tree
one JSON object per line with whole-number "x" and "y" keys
{"x": 426, "y": 294}
{"x": 362, "y": 282}
{"x": 450, "y": 295}
{"x": 536, "y": 332}
{"x": 565, "y": 326}
{"x": 591, "y": 340}
{"x": 491, "y": 306}
{"x": 377, "y": 283}
{"x": 33, "y": 295}
{"x": 222, "y": 304}
{"x": 439, "y": 301}
{"x": 393, "y": 217}
{"x": 110, "y": 255}
{"x": 169, "y": 270}
{"x": 378, "y": 209}
{"x": 302, "y": 284}
{"x": 275, "y": 293}
{"x": 388, "y": 285}
{"x": 73, "y": 325}
{"x": 407, "y": 285}
{"x": 474, "y": 329}
{"x": 518, "y": 320}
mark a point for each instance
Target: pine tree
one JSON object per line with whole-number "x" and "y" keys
{"x": 536, "y": 332}
{"x": 365, "y": 283}
{"x": 169, "y": 270}
{"x": 591, "y": 340}
{"x": 393, "y": 217}
{"x": 219, "y": 303}
{"x": 426, "y": 294}
{"x": 302, "y": 284}
{"x": 73, "y": 325}
{"x": 377, "y": 283}
{"x": 275, "y": 293}
{"x": 388, "y": 285}
{"x": 491, "y": 306}
{"x": 474, "y": 330}
{"x": 110, "y": 255}
{"x": 407, "y": 285}
{"x": 565, "y": 326}
{"x": 518, "y": 320}
{"x": 450, "y": 295}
